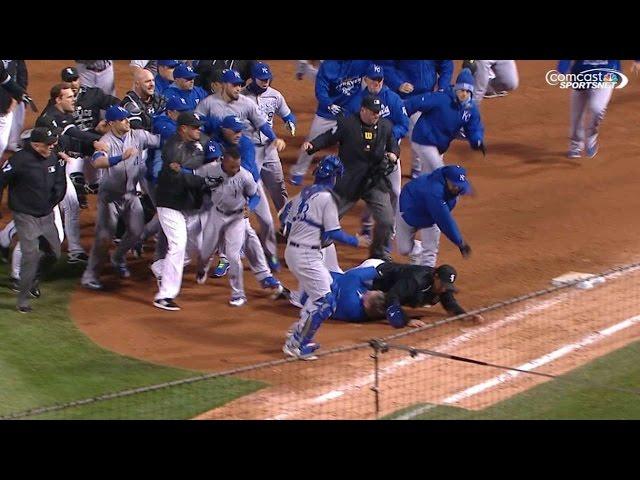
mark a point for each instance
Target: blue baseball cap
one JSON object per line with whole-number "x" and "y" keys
{"x": 261, "y": 71}
{"x": 169, "y": 63}
{"x": 213, "y": 150}
{"x": 116, "y": 112}
{"x": 177, "y": 103}
{"x": 458, "y": 176}
{"x": 230, "y": 76}
{"x": 234, "y": 123}
{"x": 184, "y": 71}
{"x": 375, "y": 72}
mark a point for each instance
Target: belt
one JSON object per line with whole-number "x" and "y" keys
{"x": 231, "y": 212}
{"x": 94, "y": 69}
{"x": 297, "y": 245}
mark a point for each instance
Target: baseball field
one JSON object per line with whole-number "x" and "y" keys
{"x": 537, "y": 214}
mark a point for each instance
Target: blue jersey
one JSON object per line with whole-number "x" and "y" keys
{"x": 247, "y": 152}
{"x": 349, "y": 289}
{"x": 162, "y": 84}
{"x": 442, "y": 118}
{"x": 392, "y": 108}
{"x": 422, "y": 74}
{"x": 192, "y": 97}
{"x": 164, "y": 126}
{"x": 337, "y": 81}
{"x": 426, "y": 201}
{"x": 579, "y": 66}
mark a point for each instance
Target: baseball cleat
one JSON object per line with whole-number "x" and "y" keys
{"x": 274, "y": 263}
{"x": 93, "y": 285}
{"x": 592, "y": 151}
{"x": 283, "y": 293}
{"x": 35, "y": 292}
{"x": 122, "y": 269}
{"x": 201, "y": 277}
{"x": 24, "y": 308}
{"x": 574, "y": 153}
{"x": 238, "y": 302}
{"x": 77, "y": 257}
{"x": 221, "y": 269}
{"x": 296, "y": 180}
{"x": 270, "y": 282}
{"x": 14, "y": 284}
{"x": 166, "y": 304}
{"x": 302, "y": 353}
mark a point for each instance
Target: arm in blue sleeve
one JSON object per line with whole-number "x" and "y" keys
{"x": 474, "y": 129}
{"x": 268, "y": 132}
{"x": 340, "y": 236}
{"x": 399, "y": 118}
{"x": 445, "y": 72}
{"x": 564, "y": 66}
{"x": 322, "y": 87}
{"x": 289, "y": 118}
{"x": 392, "y": 78}
{"x": 115, "y": 160}
{"x": 364, "y": 274}
{"x": 248, "y": 157}
{"x": 443, "y": 218}
{"x": 186, "y": 170}
{"x": 423, "y": 103}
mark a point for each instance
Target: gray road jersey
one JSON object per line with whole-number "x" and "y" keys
{"x": 232, "y": 193}
{"x": 244, "y": 108}
{"x": 269, "y": 103}
{"x": 123, "y": 177}
{"x": 320, "y": 209}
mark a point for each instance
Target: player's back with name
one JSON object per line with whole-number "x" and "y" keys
{"x": 312, "y": 215}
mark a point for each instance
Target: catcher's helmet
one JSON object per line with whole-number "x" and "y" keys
{"x": 329, "y": 167}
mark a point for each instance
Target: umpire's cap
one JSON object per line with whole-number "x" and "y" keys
{"x": 43, "y": 135}
{"x": 69, "y": 74}
{"x": 371, "y": 102}
{"x": 447, "y": 275}
{"x": 190, "y": 119}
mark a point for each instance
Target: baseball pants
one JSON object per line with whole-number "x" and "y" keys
{"x": 103, "y": 80}
{"x": 330, "y": 258}
{"x": 405, "y": 235}
{"x": 492, "y": 76}
{"x": 6, "y": 121}
{"x": 271, "y": 174}
{"x": 395, "y": 178}
{"x": 318, "y": 125}
{"x": 232, "y": 228}
{"x": 129, "y": 208}
{"x": 415, "y": 161}
{"x": 30, "y": 229}
{"x": 588, "y": 108}
{"x": 16, "y": 127}
{"x": 429, "y": 157}
{"x": 71, "y": 209}
{"x": 7, "y": 233}
{"x": 267, "y": 233}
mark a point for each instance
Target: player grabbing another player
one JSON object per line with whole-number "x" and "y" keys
{"x": 312, "y": 221}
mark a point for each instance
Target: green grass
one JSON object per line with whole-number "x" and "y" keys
{"x": 45, "y": 360}
{"x": 560, "y": 400}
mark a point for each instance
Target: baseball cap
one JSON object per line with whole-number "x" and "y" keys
{"x": 177, "y": 103}
{"x": 116, "y": 112}
{"x": 261, "y": 71}
{"x": 234, "y": 123}
{"x": 69, "y": 74}
{"x": 213, "y": 150}
{"x": 190, "y": 119}
{"x": 458, "y": 176}
{"x": 447, "y": 275}
{"x": 169, "y": 63}
{"x": 372, "y": 103}
{"x": 43, "y": 135}
{"x": 184, "y": 71}
{"x": 375, "y": 72}
{"x": 230, "y": 76}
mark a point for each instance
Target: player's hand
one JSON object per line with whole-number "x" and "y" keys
{"x": 291, "y": 127}
{"x": 415, "y": 323}
{"x": 130, "y": 152}
{"x": 392, "y": 157}
{"x": 102, "y": 127}
{"x": 175, "y": 166}
{"x": 101, "y": 146}
{"x": 64, "y": 156}
{"x": 279, "y": 144}
{"x": 306, "y": 146}
{"x": 335, "y": 109}
{"x": 479, "y": 145}
{"x": 465, "y": 250}
{"x": 406, "y": 87}
{"x": 635, "y": 68}
{"x": 363, "y": 242}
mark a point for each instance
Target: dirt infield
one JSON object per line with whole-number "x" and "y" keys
{"x": 537, "y": 214}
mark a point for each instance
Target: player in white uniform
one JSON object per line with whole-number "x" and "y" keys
{"x": 311, "y": 221}
{"x": 492, "y": 78}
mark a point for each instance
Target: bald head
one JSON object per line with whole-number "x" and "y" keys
{"x": 143, "y": 83}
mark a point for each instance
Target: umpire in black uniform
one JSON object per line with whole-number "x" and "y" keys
{"x": 368, "y": 151}
{"x": 37, "y": 183}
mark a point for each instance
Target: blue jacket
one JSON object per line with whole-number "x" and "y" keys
{"x": 164, "y": 126}
{"x": 422, "y": 74}
{"x": 349, "y": 288}
{"x": 578, "y": 66}
{"x": 192, "y": 97}
{"x": 162, "y": 84}
{"x": 392, "y": 108}
{"x": 425, "y": 202}
{"x": 247, "y": 152}
{"x": 442, "y": 118}
{"x": 337, "y": 81}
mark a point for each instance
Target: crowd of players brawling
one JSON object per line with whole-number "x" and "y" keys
{"x": 190, "y": 154}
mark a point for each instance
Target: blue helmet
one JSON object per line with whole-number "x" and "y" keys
{"x": 329, "y": 167}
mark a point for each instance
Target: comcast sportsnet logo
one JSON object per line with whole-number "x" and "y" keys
{"x": 594, "y": 78}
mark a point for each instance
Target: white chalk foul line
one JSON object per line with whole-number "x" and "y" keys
{"x": 544, "y": 359}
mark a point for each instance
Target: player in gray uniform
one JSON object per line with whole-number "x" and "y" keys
{"x": 234, "y": 189}
{"x": 97, "y": 73}
{"x": 492, "y": 78}
{"x": 117, "y": 195}
{"x": 311, "y": 221}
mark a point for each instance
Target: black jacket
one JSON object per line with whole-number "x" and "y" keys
{"x": 13, "y": 80}
{"x": 36, "y": 184}
{"x": 142, "y": 113}
{"x": 208, "y": 70}
{"x": 178, "y": 190}
{"x": 361, "y": 150}
{"x": 412, "y": 285}
{"x": 72, "y": 138}
{"x": 89, "y": 102}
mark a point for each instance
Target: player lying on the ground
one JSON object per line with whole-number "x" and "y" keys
{"x": 377, "y": 289}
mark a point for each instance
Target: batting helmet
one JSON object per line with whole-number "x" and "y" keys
{"x": 329, "y": 167}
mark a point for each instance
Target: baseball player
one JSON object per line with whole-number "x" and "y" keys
{"x": 97, "y": 73}
{"x": 307, "y": 69}
{"x": 311, "y": 222}
{"x": 235, "y": 188}
{"x": 426, "y": 203}
{"x": 164, "y": 78}
{"x": 588, "y": 106}
{"x": 414, "y": 78}
{"x": 117, "y": 195}
{"x": 18, "y": 70}
{"x": 337, "y": 81}
{"x": 8, "y": 104}
{"x": 493, "y": 78}
{"x": 183, "y": 86}
{"x": 210, "y": 72}
{"x": 143, "y": 102}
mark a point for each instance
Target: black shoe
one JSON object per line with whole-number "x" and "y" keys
{"x": 77, "y": 257}
{"x": 4, "y": 254}
{"x": 35, "y": 292}
{"x": 93, "y": 285}
{"x": 24, "y": 308}
{"x": 166, "y": 304}
{"x": 14, "y": 284}
{"x": 137, "y": 250}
